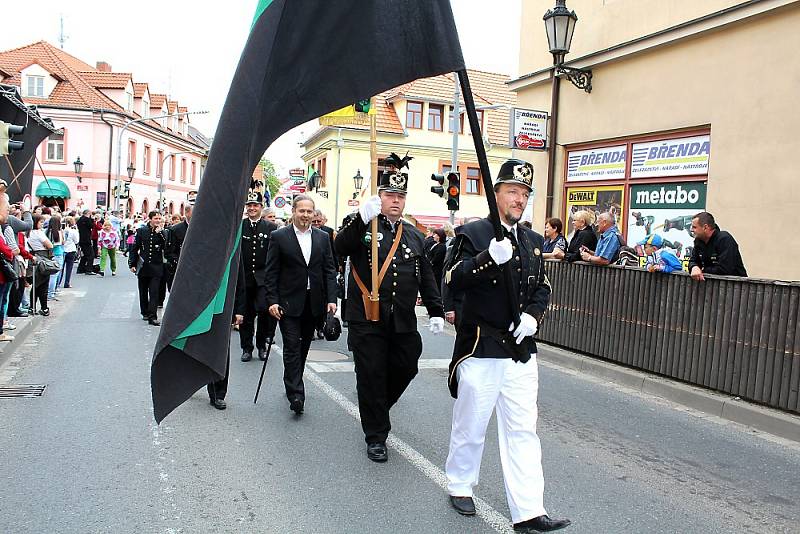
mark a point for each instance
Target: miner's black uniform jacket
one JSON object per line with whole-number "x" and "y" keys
{"x": 719, "y": 256}
{"x": 175, "y": 236}
{"x": 255, "y": 243}
{"x": 410, "y": 272}
{"x": 147, "y": 253}
{"x": 486, "y": 312}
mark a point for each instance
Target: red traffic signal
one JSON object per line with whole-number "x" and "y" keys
{"x": 453, "y": 190}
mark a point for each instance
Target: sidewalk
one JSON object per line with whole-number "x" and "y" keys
{"x": 769, "y": 420}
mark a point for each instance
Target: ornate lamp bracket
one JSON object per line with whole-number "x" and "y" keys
{"x": 580, "y": 78}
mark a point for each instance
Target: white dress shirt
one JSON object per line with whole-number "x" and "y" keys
{"x": 304, "y": 238}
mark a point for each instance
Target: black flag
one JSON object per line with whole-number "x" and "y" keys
{"x": 301, "y": 61}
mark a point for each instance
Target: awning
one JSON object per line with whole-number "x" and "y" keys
{"x": 437, "y": 221}
{"x": 52, "y": 187}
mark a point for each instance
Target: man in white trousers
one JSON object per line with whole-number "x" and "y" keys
{"x": 494, "y": 361}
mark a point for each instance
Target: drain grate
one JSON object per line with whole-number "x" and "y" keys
{"x": 22, "y": 390}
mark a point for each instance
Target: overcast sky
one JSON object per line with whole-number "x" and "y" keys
{"x": 190, "y": 50}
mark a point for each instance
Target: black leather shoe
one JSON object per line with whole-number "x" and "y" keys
{"x": 296, "y": 406}
{"x": 247, "y": 356}
{"x": 145, "y": 317}
{"x": 463, "y": 505}
{"x": 541, "y": 524}
{"x": 219, "y": 404}
{"x": 153, "y": 322}
{"x": 262, "y": 354}
{"x": 377, "y": 452}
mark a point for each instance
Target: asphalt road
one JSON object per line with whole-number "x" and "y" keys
{"x": 88, "y": 457}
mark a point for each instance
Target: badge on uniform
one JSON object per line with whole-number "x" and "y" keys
{"x": 367, "y": 239}
{"x": 537, "y": 252}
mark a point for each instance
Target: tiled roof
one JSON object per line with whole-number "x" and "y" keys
{"x": 182, "y": 109}
{"x": 106, "y": 80}
{"x": 172, "y": 106}
{"x": 139, "y": 89}
{"x": 487, "y": 88}
{"x": 78, "y": 84}
{"x": 157, "y": 100}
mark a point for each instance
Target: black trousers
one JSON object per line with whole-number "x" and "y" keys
{"x": 257, "y": 320}
{"x": 164, "y": 285}
{"x": 385, "y": 362}
{"x": 148, "y": 295}
{"x": 87, "y": 258}
{"x": 218, "y": 389}
{"x": 297, "y": 334}
{"x": 39, "y": 292}
{"x": 15, "y": 297}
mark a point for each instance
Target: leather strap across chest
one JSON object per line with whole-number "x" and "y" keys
{"x": 384, "y": 267}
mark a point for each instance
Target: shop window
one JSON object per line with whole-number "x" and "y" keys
{"x": 414, "y": 115}
{"x": 435, "y": 114}
{"x": 55, "y": 148}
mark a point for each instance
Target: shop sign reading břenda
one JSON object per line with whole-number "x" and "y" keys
{"x": 671, "y": 157}
{"x": 605, "y": 163}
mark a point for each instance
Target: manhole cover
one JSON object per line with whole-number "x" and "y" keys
{"x": 325, "y": 356}
{"x": 22, "y": 390}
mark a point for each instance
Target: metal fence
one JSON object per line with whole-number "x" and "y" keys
{"x": 736, "y": 335}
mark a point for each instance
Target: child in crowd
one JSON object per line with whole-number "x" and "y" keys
{"x": 658, "y": 259}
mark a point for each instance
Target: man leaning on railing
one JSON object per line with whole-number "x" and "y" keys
{"x": 715, "y": 251}
{"x": 608, "y": 245}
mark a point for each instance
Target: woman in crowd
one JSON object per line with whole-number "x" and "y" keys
{"x": 109, "y": 241}
{"x": 555, "y": 244}
{"x": 40, "y": 246}
{"x": 584, "y": 235}
{"x": 56, "y": 236}
{"x": 71, "y": 238}
{"x": 436, "y": 253}
{"x": 5, "y": 286}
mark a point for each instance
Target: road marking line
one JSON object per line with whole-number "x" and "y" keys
{"x": 348, "y": 367}
{"x": 484, "y": 510}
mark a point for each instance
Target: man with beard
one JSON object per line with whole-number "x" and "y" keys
{"x": 256, "y": 234}
{"x": 386, "y": 352}
{"x": 494, "y": 360}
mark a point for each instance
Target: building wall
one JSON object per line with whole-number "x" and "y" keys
{"x": 429, "y": 149}
{"x": 87, "y": 137}
{"x": 740, "y": 80}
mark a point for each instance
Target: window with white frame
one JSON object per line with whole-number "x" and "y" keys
{"x": 35, "y": 85}
{"x": 55, "y": 147}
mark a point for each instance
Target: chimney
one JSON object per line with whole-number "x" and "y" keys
{"x": 102, "y": 66}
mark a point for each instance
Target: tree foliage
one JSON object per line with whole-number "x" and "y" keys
{"x": 271, "y": 180}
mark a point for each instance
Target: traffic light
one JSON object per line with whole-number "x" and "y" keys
{"x": 438, "y": 189}
{"x": 7, "y": 145}
{"x": 453, "y": 190}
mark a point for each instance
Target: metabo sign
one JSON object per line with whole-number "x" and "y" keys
{"x": 597, "y": 164}
{"x": 687, "y": 195}
{"x": 673, "y": 157}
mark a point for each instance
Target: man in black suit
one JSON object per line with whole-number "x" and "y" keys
{"x": 146, "y": 260}
{"x": 301, "y": 287}
{"x": 85, "y": 224}
{"x": 256, "y": 234}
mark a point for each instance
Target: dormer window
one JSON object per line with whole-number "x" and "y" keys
{"x": 130, "y": 101}
{"x": 35, "y": 86}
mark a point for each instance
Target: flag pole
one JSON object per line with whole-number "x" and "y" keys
{"x": 373, "y": 154}
{"x": 488, "y": 187}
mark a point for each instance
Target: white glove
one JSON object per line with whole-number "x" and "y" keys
{"x": 370, "y": 209}
{"x": 500, "y": 251}
{"x": 436, "y": 325}
{"x": 527, "y": 327}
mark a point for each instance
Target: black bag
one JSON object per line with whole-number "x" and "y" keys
{"x": 8, "y": 270}
{"x": 332, "y": 328}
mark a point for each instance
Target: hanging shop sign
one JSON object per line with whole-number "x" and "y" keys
{"x": 667, "y": 210}
{"x": 595, "y": 199}
{"x": 671, "y": 157}
{"x": 528, "y": 129}
{"x": 607, "y": 163}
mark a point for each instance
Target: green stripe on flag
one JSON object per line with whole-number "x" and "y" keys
{"x": 262, "y": 5}
{"x": 202, "y": 323}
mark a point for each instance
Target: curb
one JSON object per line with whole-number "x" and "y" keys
{"x": 25, "y": 326}
{"x": 734, "y": 409}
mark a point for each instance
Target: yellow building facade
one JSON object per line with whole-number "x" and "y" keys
{"x": 415, "y": 118}
{"x": 693, "y": 107}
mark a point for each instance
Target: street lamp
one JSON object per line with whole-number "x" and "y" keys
{"x": 358, "y": 181}
{"x": 78, "y": 168}
{"x": 559, "y": 24}
{"x": 131, "y": 171}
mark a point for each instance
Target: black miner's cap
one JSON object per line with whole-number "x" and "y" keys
{"x": 255, "y": 197}
{"x": 516, "y": 171}
{"x": 394, "y": 181}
